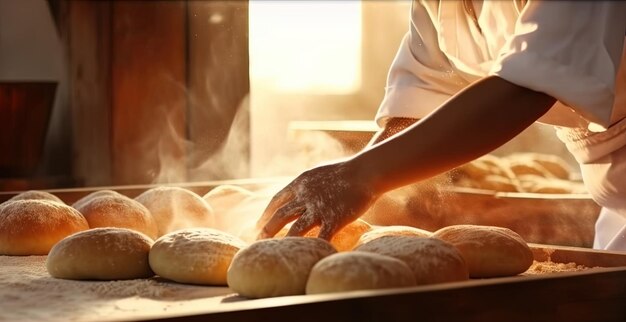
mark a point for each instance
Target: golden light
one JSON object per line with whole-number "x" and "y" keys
{"x": 306, "y": 46}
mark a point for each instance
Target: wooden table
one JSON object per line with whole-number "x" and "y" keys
{"x": 27, "y": 292}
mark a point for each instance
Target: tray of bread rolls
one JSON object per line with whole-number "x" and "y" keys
{"x": 539, "y": 196}
{"x": 188, "y": 252}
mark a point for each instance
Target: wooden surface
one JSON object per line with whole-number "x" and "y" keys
{"x": 596, "y": 294}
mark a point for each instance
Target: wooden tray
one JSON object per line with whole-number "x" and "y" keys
{"x": 596, "y": 294}
{"x": 556, "y": 219}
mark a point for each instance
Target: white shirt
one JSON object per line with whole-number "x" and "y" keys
{"x": 570, "y": 50}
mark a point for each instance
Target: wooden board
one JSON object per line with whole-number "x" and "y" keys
{"x": 596, "y": 294}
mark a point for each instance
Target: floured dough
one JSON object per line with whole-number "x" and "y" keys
{"x": 431, "y": 260}
{"x": 119, "y": 211}
{"x": 398, "y": 230}
{"x": 194, "y": 255}
{"x": 276, "y": 267}
{"x": 351, "y": 271}
{"x": 489, "y": 251}
{"x": 32, "y": 227}
{"x": 344, "y": 240}
{"x": 80, "y": 203}
{"x": 37, "y": 195}
{"x": 101, "y": 254}
{"x": 176, "y": 208}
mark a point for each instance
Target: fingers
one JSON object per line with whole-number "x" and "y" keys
{"x": 302, "y": 225}
{"x": 327, "y": 231}
{"x": 277, "y": 202}
{"x": 280, "y": 218}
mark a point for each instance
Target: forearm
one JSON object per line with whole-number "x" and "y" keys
{"x": 393, "y": 126}
{"x": 476, "y": 121}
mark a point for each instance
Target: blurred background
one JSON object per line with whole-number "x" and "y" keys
{"x": 97, "y": 93}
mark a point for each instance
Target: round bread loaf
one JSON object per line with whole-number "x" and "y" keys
{"x": 351, "y": 271}
{"x": 80, "y": 203}
{"x": 484, "y": 166}
{"x": 176, "y": 208}
{"x": 230, "y": 205}
{"x": 36, "y": 195}
{"x": 32, "y": 227}
{"x": 344, "y": 240}
{"x": 101, "y": 254}
{"x": 525, "y": 166}
{"x": 489, "y": 251}
{"x": 276, "y": 267}
{"x": 224, "y": 197}
{"x": 195, "y": 255}
{"x": 537, "y": 184}
{"x": 380, "y": 231}
{"x": 121, "y": 212}
{"x": 431, "y": 260}
{"x": 551, "y": 163}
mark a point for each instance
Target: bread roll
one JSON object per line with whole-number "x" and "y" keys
{"x": 80, "y": 203}
{"x": 537, "y": 184}
{"x": 431, "y": 260}
{"x": 225, "y": 197}
{"x": 176, "y": 208}
{"x": 344, "y": 240}
{"x": 101, "y": 254}
{"x": 351, "y": 271}
{"x": 381, "y": 231}
{"x": 119, "y": 211}
{"x": 37, "y": 195}
{"x": 194, "y": 255}
{"x": 231, "y": 207}
{"x": 483, "y": 166}
{"x": 489, "y": 251}
{"x": 32, "y": 227}
{"x": 551, "y": 163}
{"x": 276, "y": 267}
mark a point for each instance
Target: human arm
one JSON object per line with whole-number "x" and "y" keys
{"x": 393, "y": 126}
{"x": 470, "y": 124}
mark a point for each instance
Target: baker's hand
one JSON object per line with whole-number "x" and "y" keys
{"x": 329, "y": 196}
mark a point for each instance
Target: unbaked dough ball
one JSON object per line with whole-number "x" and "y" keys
{"x": 231, "y": 206}
{"x": 489, "y": 251}
{"x": 80, "y": 203}
{"x": 551, "y": 163}
{"x": 195, "y": 255}
{"x": 32, "y": 227}
{"x": 351, "y": 271}
{"x": 276, "y": 267}
{"x": 176, "y": 208}
{"x": 119, "y": 211}
{"x": 224, "y": 197}
{"x": 483, "y": 166}
{"x": 37, "y": 195}
{"x": 537, "y": 184}
{"x": 380, "y": 231}
{"x": 101, "y": 254}
{"x": 431, "y": 260}
{"x": 344, "y": 240}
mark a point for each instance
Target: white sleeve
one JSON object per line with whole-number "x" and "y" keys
{"x": 570, "y": 50}
{"x": 420, "y": 78}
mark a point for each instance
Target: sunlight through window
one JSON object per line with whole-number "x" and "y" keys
{"x": 305, "y": 46}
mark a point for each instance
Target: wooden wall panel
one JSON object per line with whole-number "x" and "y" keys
{"x": 86, "y": 31}
{"x": 149, "y": 96}
{"x": 155, "y": 87}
